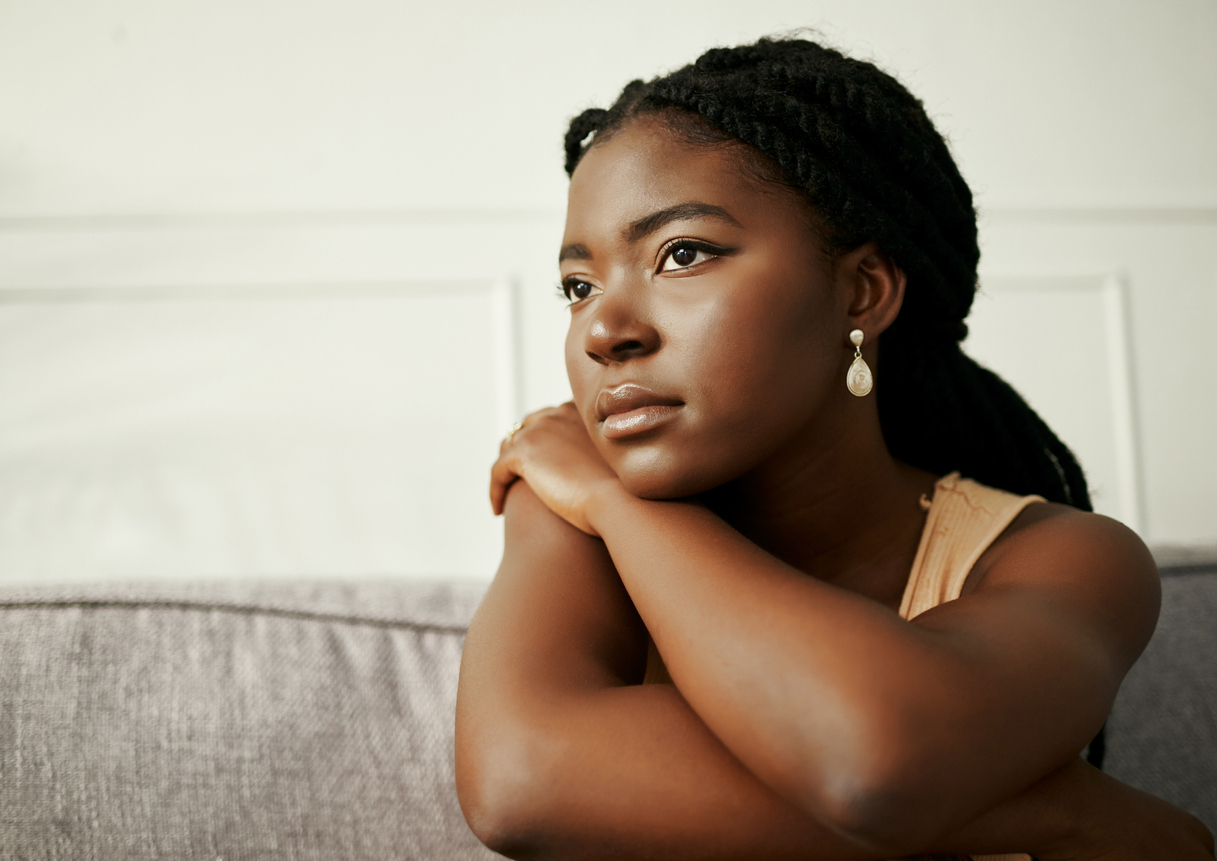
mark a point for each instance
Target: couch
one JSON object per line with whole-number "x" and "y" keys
{"x": 305, "y": 721}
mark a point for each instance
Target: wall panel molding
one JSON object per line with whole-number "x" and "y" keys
{"x": 1056, "y": 350}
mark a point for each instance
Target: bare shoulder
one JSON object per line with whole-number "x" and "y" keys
{"x": 1093, "y": 565}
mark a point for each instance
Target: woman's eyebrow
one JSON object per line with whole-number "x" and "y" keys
{"x": 575, "y": 251}
{"x": 648, "y": 224}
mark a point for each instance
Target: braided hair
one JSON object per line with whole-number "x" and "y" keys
{"x": 862, "y": 151}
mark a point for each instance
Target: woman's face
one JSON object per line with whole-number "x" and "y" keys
{"x": 706, "y": 333}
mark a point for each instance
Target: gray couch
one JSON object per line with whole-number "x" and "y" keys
{"x": 314, "y": 721}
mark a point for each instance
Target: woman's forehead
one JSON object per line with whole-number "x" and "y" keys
{"x": 645, "y": 169}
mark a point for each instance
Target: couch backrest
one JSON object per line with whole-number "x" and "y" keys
{"x": 1162, "y": 734}
{"x": 277, "y": 721}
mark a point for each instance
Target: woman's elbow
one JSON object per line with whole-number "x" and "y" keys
{"x": 864, "y": 792}
{"x": 872, "y": 814}
{"x": 499, "y": 783}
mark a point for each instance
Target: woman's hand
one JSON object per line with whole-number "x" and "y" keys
{"x": 553, "y": 453}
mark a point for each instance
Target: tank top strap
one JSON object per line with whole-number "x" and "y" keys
{"x": 964, "y": 519}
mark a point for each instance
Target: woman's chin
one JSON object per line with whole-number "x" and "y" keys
{"x": 665, "y": 470}
{"x": 661, "y": 484}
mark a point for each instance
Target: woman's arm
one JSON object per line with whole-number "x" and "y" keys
{"x": 558, "y": 756}
{"x": 560, "y": 753}
{"x": 892, "y": 733}
{"x": 1078, "y": 813}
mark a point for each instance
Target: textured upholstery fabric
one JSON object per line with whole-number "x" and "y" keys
{"x": 1162, "y": 735}
{"x": 312, "y": 721}
{"x": 288, "y": 721}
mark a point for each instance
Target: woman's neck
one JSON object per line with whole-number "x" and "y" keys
{"x": 837, "y": 506}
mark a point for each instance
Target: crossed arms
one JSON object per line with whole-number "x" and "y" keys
{"x": 561, "y": 753}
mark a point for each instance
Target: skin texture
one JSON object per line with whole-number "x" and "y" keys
{"x": 758, "y": 530}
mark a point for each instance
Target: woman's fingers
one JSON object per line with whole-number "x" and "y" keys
{"x": 502, "y": 475}
{"x": 552, "y": 451}
{"x": 506, "y": 469}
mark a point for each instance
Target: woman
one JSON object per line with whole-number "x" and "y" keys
{"x": 704, "y": 640}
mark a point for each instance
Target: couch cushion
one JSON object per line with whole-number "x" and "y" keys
{"x": 292, "y": 720}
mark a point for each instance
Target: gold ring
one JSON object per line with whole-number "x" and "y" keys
{"x": 511, "y": 434}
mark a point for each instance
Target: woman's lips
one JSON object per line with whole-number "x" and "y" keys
{"x": 632, "y": 409}
{"x": 642, "y": 419}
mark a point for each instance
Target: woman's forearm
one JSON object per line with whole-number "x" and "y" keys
{"x": 1078, "y": 812}
{"x": 631, "y": 772}
{"x": 1053, "y": 818}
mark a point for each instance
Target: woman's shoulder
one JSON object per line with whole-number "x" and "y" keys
{"x": 1028, "y": 533}
{"x": 1088, "y": 560}
{"x": 1052, "y": 530}
{"x": 1047, "y": 535}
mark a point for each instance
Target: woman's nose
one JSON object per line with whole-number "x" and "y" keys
{"x": 619, "y": 331}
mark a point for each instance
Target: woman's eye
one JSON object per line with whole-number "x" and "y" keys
{"x": 575, "y": 290}
{"x": 684, "y": 255}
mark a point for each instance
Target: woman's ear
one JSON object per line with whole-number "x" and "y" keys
{"x": 873, "y": 287}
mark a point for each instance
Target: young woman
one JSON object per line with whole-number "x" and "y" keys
{"x": 791, "y": 576}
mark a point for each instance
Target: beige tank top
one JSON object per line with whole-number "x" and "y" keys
{"x": 964, "y": 519}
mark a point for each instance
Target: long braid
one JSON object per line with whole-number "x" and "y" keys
{"x": 861, "y": 149}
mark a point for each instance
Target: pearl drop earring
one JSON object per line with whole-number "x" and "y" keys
{"x": 858, "y": 378}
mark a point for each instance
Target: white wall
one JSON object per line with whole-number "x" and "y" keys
{"x": 186, "y": 188}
